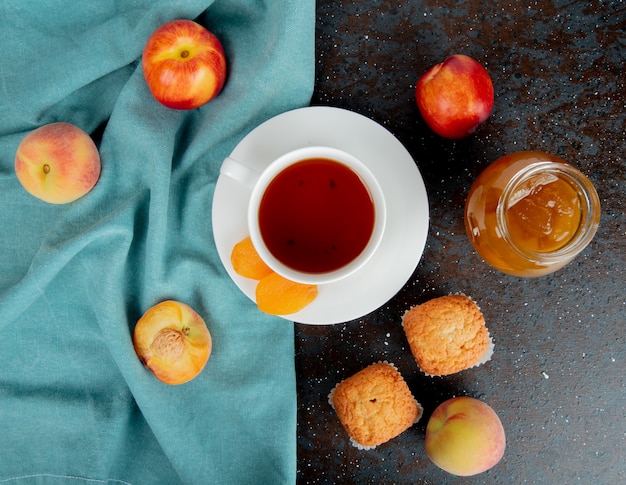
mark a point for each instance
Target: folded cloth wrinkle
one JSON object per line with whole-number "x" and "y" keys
{"x": 76, "y": 404}
{"x": 77, "y": 44}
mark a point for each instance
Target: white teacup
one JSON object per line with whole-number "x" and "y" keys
{"x": 316, "y": 214}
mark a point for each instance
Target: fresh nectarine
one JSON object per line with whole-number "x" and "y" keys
{"x": 173, "y": 341}
{"x": 464, "y": 436}
{"x": 58, "y": 163}
{"x": 184, "y": 64}
{"x": 455, "y": 96}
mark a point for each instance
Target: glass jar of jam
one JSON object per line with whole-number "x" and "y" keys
{"x": 530, "y": 213}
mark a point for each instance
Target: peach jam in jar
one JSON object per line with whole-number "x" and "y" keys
{"x": 530, "y": 213}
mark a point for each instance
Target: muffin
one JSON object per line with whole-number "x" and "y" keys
{"x": 375, "y": 405}
{"x": 447, "y": 335}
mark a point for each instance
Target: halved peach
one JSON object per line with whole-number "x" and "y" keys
{"x": 173, "y": 341}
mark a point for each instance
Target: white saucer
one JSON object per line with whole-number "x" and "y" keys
{"x": 407, "y": 206}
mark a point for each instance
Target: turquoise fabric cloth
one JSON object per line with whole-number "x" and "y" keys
{"x": 76, "y": 404}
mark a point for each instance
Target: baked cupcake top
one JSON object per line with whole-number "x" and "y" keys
{"x": 447, "y": 335}
{"x": 375, "y": 405}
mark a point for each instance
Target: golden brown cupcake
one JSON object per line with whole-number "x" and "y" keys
{"x": 375, "y": 405}
{"x": 447, "y": 335}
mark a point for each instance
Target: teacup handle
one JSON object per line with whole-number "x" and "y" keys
{"x": 239, "y": 172}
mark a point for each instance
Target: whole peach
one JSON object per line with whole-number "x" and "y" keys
{"x": 464, "y": 436}
{"x": 184, "y": 65}
{"x": 58, "y": 163}
{"x": 455, "y": 96}
{"x": 173, "y": 341}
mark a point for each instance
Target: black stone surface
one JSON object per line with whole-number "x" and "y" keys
{"x": 557, "y": 377}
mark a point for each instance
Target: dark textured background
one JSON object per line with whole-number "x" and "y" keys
{"x": 557, "y": 378}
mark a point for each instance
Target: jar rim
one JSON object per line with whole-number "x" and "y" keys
{"x": 589, "y": 204}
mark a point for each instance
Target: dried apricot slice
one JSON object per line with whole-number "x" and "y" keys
{"x": 277, "y": 295}
{"x": 247, "y": 262}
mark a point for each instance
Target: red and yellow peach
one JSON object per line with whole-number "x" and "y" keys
{"x": 464, "y": 436}
{"x": 57, "y": 163}
{"x": 455, "y": 96}
{"x": 184, "y": 65}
